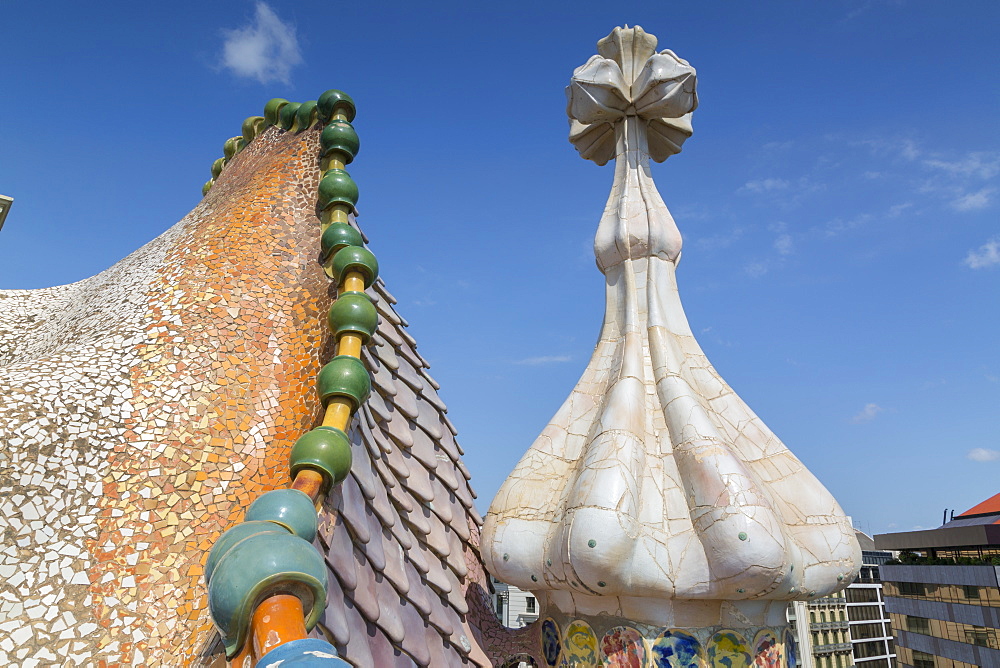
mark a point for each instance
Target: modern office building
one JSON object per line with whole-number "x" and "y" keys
{"x": 850, "y": 628}
{"x": 943, "y": 595}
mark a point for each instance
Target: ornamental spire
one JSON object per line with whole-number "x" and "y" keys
{"x": 655, "y": 496}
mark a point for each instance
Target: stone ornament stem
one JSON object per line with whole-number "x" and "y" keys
{"x": 655, "y": 495}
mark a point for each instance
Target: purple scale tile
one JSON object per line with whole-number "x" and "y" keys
{"x": 385, "y": 310}
{"x": 414, "y": 640}
{"x": 389, "y": 331}
{"x": 442, "y": 509}
{"x": 389, "y": 620}
{"x": 437, "y": 574}
{"x": 351, "y": 504}
{"x": 430, "y": 395}
{"x": 440, "y": 618}
{"x": 364, "y": 594}
{"x": 430, "y": 421}
{"x": 335, "y": 615}
{"x": 457, "y": 557}
{"x": 385, "y": 292}
{"x": 383, "y": 652}
{"x": 381, "y": 439}
{"x": 430, "y": 379}
{"x": 409, "y": 339}
{"x": 416, "y": 520}
{"x": 364, "y": 473}
{"x": 464, "y": 471}
{"x": 424, "y": 449}
{"x": 437, "y": 538}
{"x": 380, "y": 409}
{"x": 419, "y": 481}
{"x": 374, "y": 549}
{"x": 395, "y": 461}
{"x": 447, "y": 473}
{"x": 395, "y": 566}
{"x": 418, "y": 594}
{"x": 382, "y": 378}
{"x": 357, "y": 647}
{"x": 399, "y": 430}
{"x": 456, "y": 596}
{"x": 387, "y": 355}
{"x": 400, "y": 532}
{"x": 406, "y": 401}
{"x": 416, "y": 555}
{"x": 340, "y": 558}
{"x": 464, "y": 494}
{"x": 380, "y": 505}
{"x": 442, "y": 653}
{"x": 408, "y": 374}
{"x": 460, "y": 517}
{"x": 454, "y": 432}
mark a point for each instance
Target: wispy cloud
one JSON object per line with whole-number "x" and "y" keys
{"x": 986, "y": 255}
{"x": 765, "y": 185}
{"x": 973, "y": 201}
{"x": 544, "y": 359}
{"x": 898, "y": 209}
{"x": 784, "y": 244}
{"x": 756, "y": 269}
{"x": 983, "y": 455}
{"x": 867, "y": 414}
{"x": 266, "y": 49}
{"x": 722, "y": 240}
{"x": 977, "y": 164}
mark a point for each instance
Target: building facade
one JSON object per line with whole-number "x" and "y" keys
{"x": 850, "y": 628}
{"x": 944, "y": 594}
{"x": 514, "y": 607}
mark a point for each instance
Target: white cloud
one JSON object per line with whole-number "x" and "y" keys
{"x": 266, "y": 49}
{"x": 716, "y": 241}
{"x": 756, "y": 269}
{"x": 986, "y": 255}
{"x": 867, "y": 413}
{"x": 765, "y": 185}
{"x": 784, "y": 244}
{"x": 983, "y": 455}
{"x": 981, "y": 165}
{"x": 897, "y": 209}
{"x": 545, "y": 359}
{"x": 973, "y": 201}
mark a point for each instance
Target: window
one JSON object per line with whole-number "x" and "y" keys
{"x": 911, "y": 589}
{"x": 918, "y": 625}
{"x": 865, "y": 631}
{"x": 864, "y": 613}
{"x": 500, "y": 606}
{"x": 863, "y": 650}
{"x": 970, "y": 591}
{"x": 862, "y": 595}
{"x": 922, "y": 660}
{"x": 530, "y": 603}
{"x": 982, "y": 636}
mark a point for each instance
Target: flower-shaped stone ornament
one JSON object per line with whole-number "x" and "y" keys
{"x": 629, "y": 78}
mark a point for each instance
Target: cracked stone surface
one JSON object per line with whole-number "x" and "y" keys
{"x": 655, "y": 495}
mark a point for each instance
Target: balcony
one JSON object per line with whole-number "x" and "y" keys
{"x": 830, "y": 600}
{"x": 833, "y": 647}
{"x": 836, "y": 624}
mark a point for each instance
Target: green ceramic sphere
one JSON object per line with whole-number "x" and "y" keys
{"x": 286, "y": 117}
{"x": 324, "y": 449}
{"x": 344, "y": 376}
{"x": 333, "y": 100}
{"x": 252, "y": 127}
{"x": 272, "y": 109}
{"x": 260, "y": 565}
{"x": 291, "y": 508}
{"x": 337, "y": 236}
{"x": 306, "y": 114}
{"x": 217, "y": 167}
{"x": 340, "y": 136}
{"x": 337, "y": 186}
{"x": 355, "y": 258}
{"x": 234, "y": 535}
{"x": 208, "y": 186}
{"x": 353, "y": 312}
{"x": 231, "y": 147}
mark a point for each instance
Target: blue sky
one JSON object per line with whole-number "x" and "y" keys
{"x": 839, "y": 200}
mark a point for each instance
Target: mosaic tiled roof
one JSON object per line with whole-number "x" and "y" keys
{"x": 145, "y": 407}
